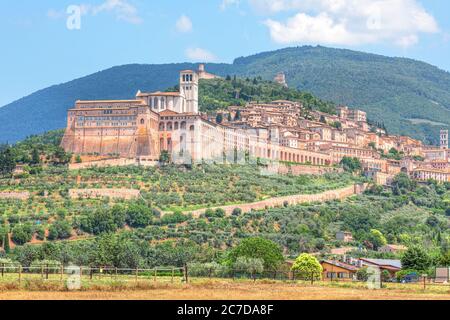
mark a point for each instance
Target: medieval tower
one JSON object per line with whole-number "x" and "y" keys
{"x": 444, "y": 139}
{"x": 189, "y": 90}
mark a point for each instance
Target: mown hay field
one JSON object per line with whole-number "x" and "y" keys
{"x": 200, "y": 289}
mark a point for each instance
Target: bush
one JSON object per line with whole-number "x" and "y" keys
{"x": 237, "y": 212}
{"x": 22, "y": 233}
{"x": 10, "y": 265}
{"x": 212, "y": 269}
{"x": 249, "y": 265}
{"x": 60, "y": 230}
{"x": 362, "y": 274}
{"x": 139, "y": 216}
{"x": 51, "y": 265}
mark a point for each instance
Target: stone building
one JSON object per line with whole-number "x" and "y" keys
{"x": 141, "y": 129}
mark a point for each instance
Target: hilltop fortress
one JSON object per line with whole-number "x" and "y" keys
{"x": 140, "y": 130}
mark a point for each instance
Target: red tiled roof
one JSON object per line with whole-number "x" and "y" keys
{"x": 341, "y": 265}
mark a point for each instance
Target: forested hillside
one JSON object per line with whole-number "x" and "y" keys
{"x": 219, "y": 94}
{"x": 410, "y": 97}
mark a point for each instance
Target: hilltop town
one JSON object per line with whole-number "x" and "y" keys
{"x": 141, "y": 130}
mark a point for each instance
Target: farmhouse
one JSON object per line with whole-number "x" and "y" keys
{"x": 392, "y": 266}
{"x": 338, "y": 270}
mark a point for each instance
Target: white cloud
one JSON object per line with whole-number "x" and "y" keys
{"x": 270, "y": 6}
{"x": 348, "y": 22}
{"x": 122, "y": 9}
{"x": 200, "y": 55}
{"x": 184, "y": 24}
{"x": 228, "y": 3}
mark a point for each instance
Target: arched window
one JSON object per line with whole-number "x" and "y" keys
{"x": 176, "y": 126}
{"x": 192, "y": 128}
{"x": 163, "y": 103}
{"x": 183, "y": 125}
{"x": 161, "y": 126}
{"x": 142, "y": 121}
{"x": 169, "y": 126}
{"x": 183, "y": 143}
{"x": 155, "y": 103}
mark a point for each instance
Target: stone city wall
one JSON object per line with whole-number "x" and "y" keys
{"x": 127, "y": 194}
{"x": 15, "y": 195}
{"x": 338, "y": 194}
{"x": 102, "y": 163}
{"x": 298, "y": 170}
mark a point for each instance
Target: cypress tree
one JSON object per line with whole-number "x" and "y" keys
{"x": 6, "y": 246}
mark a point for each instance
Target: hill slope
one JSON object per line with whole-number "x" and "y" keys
{"x": 410, "y": 97}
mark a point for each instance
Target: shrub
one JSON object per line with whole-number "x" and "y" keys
{"x": 250, "y": 265}
{"x": 237, "y": 212}
{"x": 51, "y": 265}
{"x": 22, "y": 233}
{"x": 61, "y": 229}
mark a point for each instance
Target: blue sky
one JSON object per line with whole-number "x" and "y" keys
{"x": 38, "y": 50}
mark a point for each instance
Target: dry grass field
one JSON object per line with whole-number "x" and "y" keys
{"x": 227, "y": 290}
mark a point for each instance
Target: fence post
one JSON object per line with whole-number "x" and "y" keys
{"x": 42, "y": 271}
{"x": 3, "y": 269}
{"x": 173, "y": 273}
{"x": 81, "y": 273}
{"x": 154, "y": 277}
{"x": 91, "y": 273}
{"x": 46, "y": 272}
{"x": 61, "y": 273}
{"x": 116, "y": 274}
{"x": 20, "y": 274}
{"x": 186, "y": 273}
{"x": 312, "y": 278}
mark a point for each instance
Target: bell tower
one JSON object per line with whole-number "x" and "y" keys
{"x": 444, "y": 139}
{"x": 189, "y": 90}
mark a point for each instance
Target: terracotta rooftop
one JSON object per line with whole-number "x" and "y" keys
{"x": 158, "y": 93}
{"x": 341, "y": 265}
{"x": 109, "y": 101}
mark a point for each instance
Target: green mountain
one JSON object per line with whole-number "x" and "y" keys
{"x": 410, "y": 97}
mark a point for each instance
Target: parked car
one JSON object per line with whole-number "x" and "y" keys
{"x": 410, "y": 278}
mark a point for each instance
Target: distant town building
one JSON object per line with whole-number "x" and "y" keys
{"x": 141, "y": 129}
{"x": 280, "y": 78}
{"x": 392, "y": 248}
{"x": 344, "y": 236}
